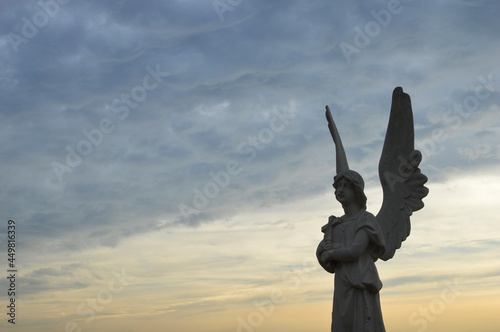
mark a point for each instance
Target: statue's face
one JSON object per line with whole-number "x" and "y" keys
{"x": 344, "y": 192}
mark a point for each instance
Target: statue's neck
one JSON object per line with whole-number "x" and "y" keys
{"x": 351, "y": 210}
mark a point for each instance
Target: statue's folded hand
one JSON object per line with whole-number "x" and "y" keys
{"x": 327, "y": 256}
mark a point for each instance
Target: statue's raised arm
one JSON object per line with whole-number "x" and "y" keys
{"x": 402, "y": 181}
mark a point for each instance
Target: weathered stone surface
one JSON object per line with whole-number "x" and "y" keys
{"x": 353, "y": 242}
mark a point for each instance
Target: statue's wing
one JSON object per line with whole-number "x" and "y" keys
{"x": 402, "y": 182}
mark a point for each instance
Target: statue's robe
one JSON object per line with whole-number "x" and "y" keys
{"x": 357, "y": 244}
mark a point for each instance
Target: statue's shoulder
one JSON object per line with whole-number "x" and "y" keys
{"x": 368, "y": 222}
{"x": 367, "y": 218}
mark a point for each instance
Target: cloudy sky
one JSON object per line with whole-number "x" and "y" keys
{"x": 169, "y": 168}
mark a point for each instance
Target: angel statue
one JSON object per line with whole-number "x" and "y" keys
{"x": 353, "y": 243}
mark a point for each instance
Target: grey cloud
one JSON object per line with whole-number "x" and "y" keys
{"x": 226, "y": 80}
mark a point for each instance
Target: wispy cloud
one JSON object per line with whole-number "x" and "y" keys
{"x": 227, "y": 79}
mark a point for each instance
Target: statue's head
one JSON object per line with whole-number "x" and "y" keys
{"x": 356, "y": 182}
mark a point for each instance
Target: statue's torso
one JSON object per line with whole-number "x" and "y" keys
{"x": 359, "y": 273}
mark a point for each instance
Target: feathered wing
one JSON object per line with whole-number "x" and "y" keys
{"x": 402, "y": 182}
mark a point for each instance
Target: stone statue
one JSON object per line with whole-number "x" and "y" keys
{"x": 353, "y": 243}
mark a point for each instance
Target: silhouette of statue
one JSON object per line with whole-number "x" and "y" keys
{"x": 353, "y": 243}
